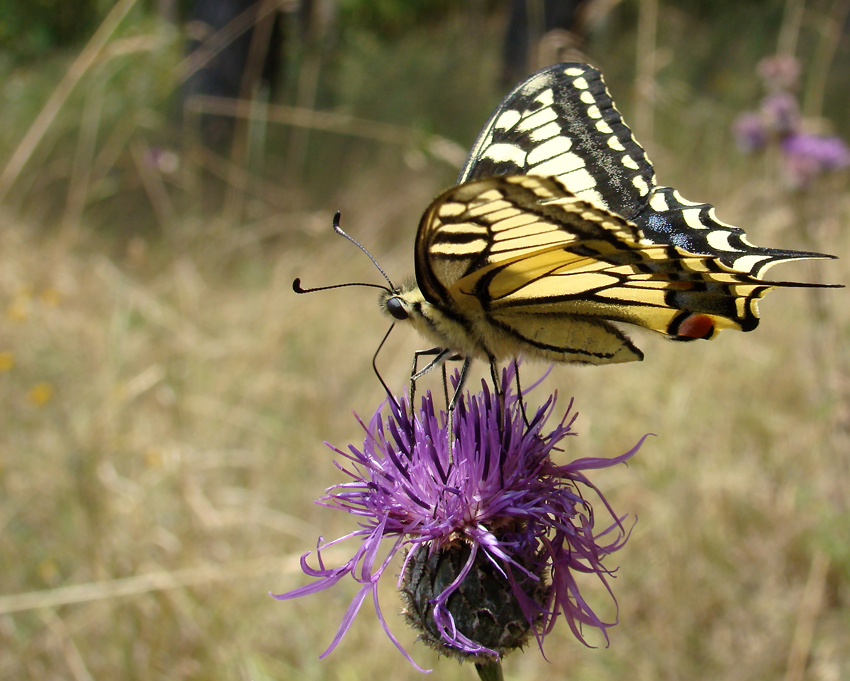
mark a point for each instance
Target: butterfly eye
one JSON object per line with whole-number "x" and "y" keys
{"x": 396, "y": 308}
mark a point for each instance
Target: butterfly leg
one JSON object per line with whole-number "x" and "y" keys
{"x": 519, "y": 395}
{"x": 467, "y": 361}
{"x": 445, "y": 385}
{"x": 497, "y": 387}
{"x": 494, "y": 374}
{"x": 461, "y": 380}
{"x": 375, "y": 363}
{"x": 440, "y": 356}
{"x": 500, "y": 392}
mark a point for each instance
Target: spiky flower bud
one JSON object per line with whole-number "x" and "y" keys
{"x": 484, "y": 607}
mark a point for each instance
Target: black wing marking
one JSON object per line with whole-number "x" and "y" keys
{"x": 561, "y": 122}
{"x": 671, "y": 219}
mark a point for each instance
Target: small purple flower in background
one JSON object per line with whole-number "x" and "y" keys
{"x": 164, "y": 160}
{"x": 493, "y": 534}
{"x": 804, "y": 155}
{"x": 781, "y": 113}
{"x": 750, "y": 132}
{"x": 779, "y": 72}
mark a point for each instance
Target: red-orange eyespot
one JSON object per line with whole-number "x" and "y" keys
{"x": 696, "y": 326}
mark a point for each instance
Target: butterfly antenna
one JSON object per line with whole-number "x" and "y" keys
{"x": 296, "y": 286}
{"x": 339, "y": 230}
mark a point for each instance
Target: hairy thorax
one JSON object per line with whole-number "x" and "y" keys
{"x": 463, "y": 333}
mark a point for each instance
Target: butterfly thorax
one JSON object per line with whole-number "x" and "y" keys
{"x": 467, "y": 331}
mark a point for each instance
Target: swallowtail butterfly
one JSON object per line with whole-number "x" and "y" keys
{"x": 557, "y": 232}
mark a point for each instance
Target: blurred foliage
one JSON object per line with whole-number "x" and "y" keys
{"x": 29, "y": 29}
{"x": 126, "y": 95}
{"x": 390, "y": 19}
{"x": 714, "y": 9}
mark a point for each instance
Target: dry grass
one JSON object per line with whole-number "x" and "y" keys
{"x": 164, "y": 403}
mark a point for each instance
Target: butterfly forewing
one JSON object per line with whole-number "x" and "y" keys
{"x": 562, "y": 123}
{"x": 474, "y": 226}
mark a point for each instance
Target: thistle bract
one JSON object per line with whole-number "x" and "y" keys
{"x": 489, "y": 517}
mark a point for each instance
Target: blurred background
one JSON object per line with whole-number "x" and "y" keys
{"x": 167, "y": 168}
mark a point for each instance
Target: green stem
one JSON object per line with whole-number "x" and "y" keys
{"x": 490, "y": 670}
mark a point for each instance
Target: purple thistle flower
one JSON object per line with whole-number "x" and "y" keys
{"x": 781, "y": 113}
{"x": 780, "y": 72}
{"x": 494, "y": 533}
{"x": 750, "y": 132}
{"x": 807, "y": 155}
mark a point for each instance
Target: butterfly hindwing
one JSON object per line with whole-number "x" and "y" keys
{"x": 557, "y": 338}
{"x": 522, "y": 255}
{"x": 694, "y": 227}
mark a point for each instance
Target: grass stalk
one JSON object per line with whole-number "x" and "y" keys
{"x": 146, "y": 583}
{"x": 831, "y": 29}
{"x": 647, "y": 49}
{"x": 77, "y": 71}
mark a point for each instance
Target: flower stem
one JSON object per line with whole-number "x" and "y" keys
{"x": 490, "y": 670}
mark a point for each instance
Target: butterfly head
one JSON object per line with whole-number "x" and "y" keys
{"x": 395, "y": 306}
{"x": 402, "y": 303}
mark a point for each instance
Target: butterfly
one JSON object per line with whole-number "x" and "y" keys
{"x": 557, "y": 234}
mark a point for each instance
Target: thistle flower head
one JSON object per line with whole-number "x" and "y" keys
{"x": 494, "y": 533}
{"x": 804, "y": 156}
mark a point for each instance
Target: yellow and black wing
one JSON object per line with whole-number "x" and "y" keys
{"x": 561, "y": 122}
{"x": 523, "y": 257}
{"x": 557, "y": 229}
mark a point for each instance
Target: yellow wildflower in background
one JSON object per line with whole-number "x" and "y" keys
{"x": 7, "y": 361}
{"x": 40, "y": 394}
{"x": 48, "y": 570}
{"x": 18, "y": 309}
{"x": 154, "y": 457}
{"x": 50, "y": 296}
